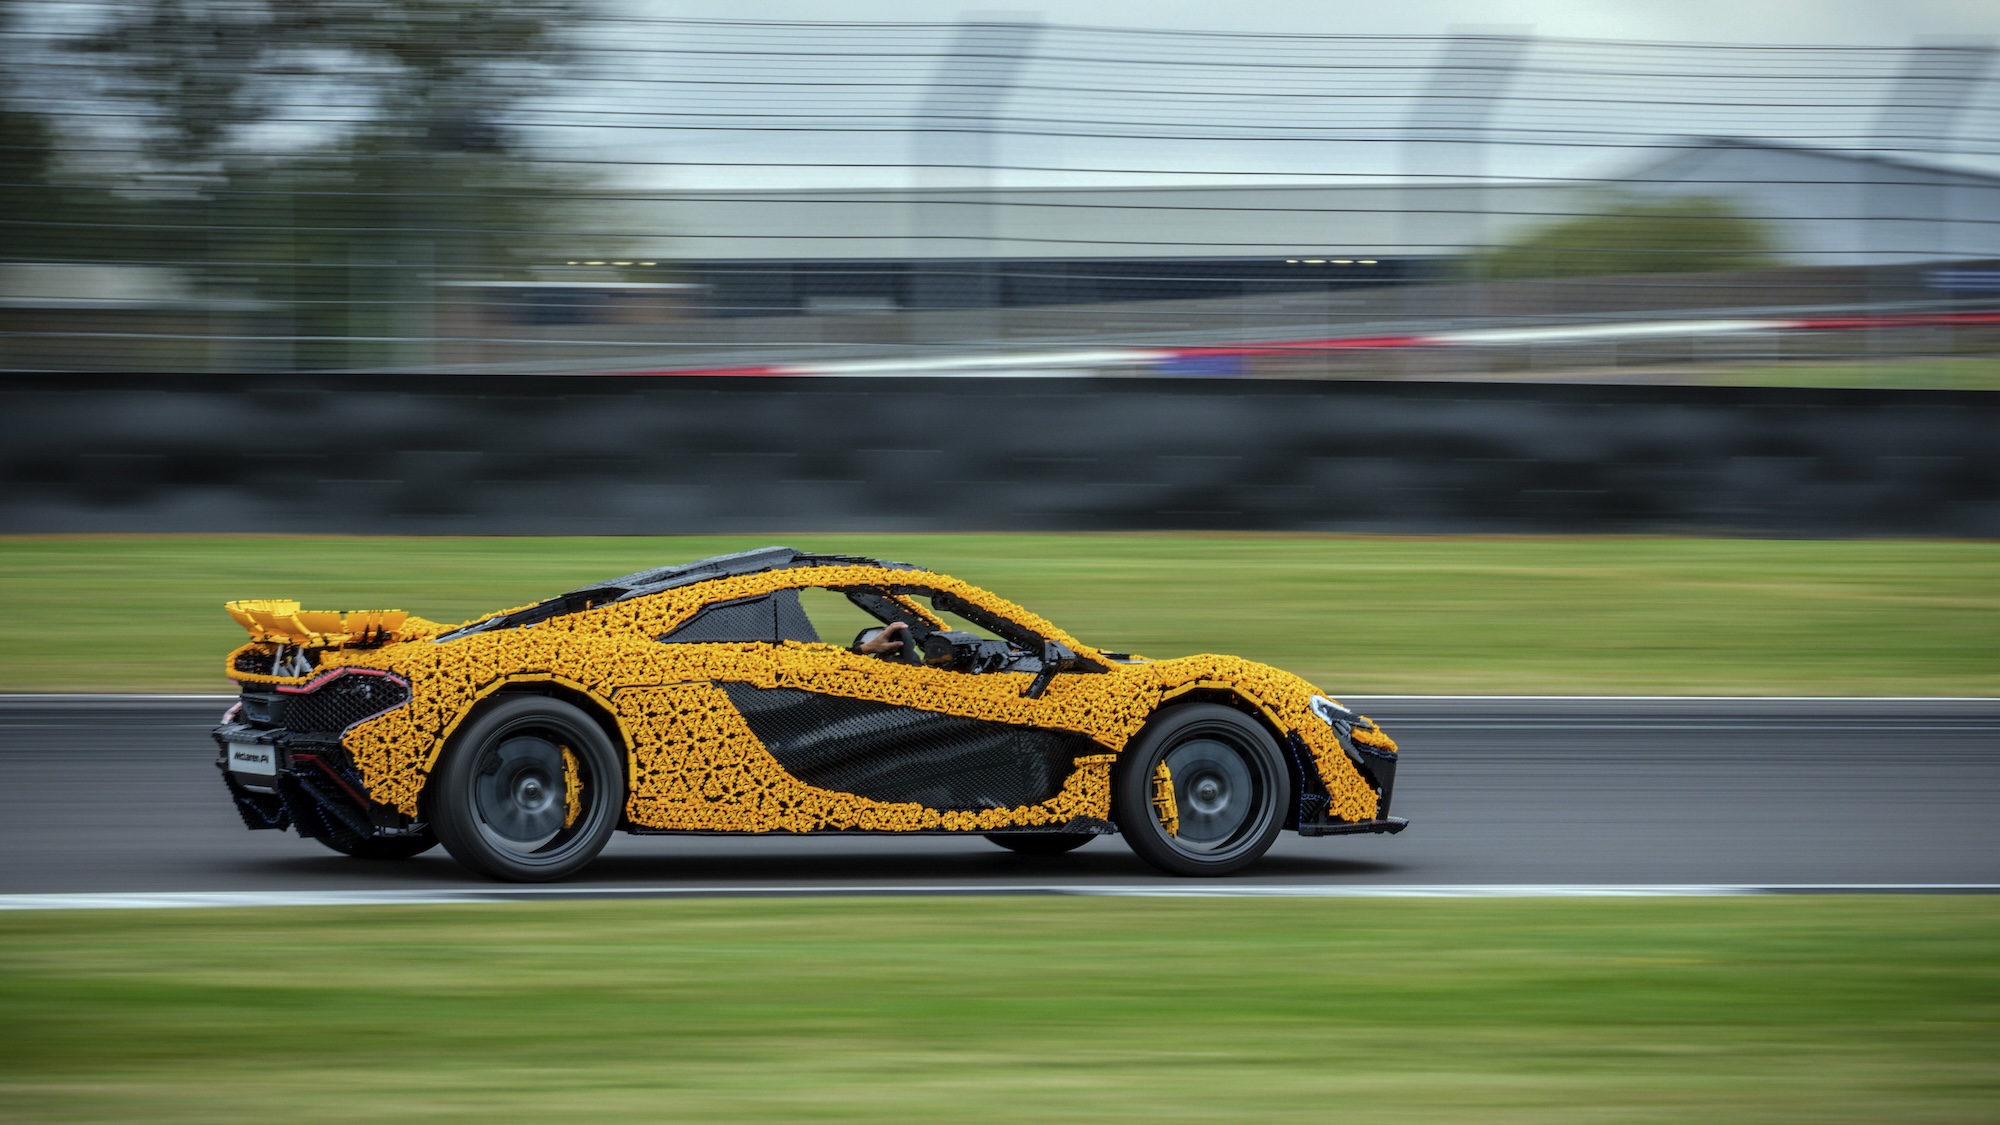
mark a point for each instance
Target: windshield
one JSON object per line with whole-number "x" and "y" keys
{"x": 643, "y": 582}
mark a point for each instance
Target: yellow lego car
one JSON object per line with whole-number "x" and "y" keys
{"x": 702, "y": 698}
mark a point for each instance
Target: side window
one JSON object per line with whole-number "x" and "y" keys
{"x": 767, "y": 618}
{"x": 956, "y": 623}
{"x": 836, "y": 618}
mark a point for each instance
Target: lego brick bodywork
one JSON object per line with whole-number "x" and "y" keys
{"x": 697, "y": 763}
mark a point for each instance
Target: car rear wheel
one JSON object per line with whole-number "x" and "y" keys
{"x": 384, "y": 847}
{"x": 1041, "y": 843}
{"x": 1201, "y": 791}
{"x": 528, "y": 791}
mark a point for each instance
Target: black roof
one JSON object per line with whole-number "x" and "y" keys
{"x": 729, "y": 566}
{"x": 641, "y": 583}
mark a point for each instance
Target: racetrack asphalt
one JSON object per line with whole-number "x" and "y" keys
{"x": 119, "y": 794}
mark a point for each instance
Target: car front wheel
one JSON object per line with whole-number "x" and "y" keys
{"x": 1201, "y": 791}
{"x": 528, "y": 791}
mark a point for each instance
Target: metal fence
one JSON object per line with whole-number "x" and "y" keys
{"x": 559, "y": 186}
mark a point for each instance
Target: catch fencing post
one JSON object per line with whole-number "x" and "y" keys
{"x": 1444, "y": 145}
{"x": 951, "y": 205}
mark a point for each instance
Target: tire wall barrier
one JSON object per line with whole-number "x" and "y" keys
{"x": 534, "y": 455}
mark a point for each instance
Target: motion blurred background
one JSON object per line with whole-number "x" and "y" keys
{"x": 1642, "y": 349}
{"x": 567, "y": 186}
{"x": 1268, "y": 280}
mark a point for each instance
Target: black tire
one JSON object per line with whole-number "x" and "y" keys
{"x": 1230, "y": 784}
{"x": 1041, "y": 843}
{"x": 385, "y": 847}
{"x": 499, "y": 801}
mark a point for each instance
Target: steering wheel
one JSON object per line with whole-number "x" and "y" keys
{"x": 912, "y": 652}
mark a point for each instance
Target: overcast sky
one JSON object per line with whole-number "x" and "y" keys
{"x": 1869, "y": 22}
{"x": 713, "y": 110}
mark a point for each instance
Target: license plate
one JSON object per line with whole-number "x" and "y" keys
{"x": 250, "y": 757}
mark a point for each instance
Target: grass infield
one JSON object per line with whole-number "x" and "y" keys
{"x": 1861, "y": 1009}
{"x": 1963, "y": 373}
{"x": 1356, "y": 614}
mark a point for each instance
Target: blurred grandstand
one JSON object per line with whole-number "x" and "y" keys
{"x": 251, "y": 187}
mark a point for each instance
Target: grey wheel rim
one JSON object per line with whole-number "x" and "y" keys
{"x": 519, "y": 793}
{"x": 1215, "y": 791}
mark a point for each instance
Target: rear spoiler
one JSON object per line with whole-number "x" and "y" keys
{"x": 283, "y": 622}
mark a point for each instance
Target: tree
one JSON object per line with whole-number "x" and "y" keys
{"x": 336, "y": 156}
{"x": 30, "y": 202}
{"x": 1684, "y": 234}
{"x": 49, "y": 210}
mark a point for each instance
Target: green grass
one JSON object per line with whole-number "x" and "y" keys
{"x": 1354, "y": 614}
{"x": 1005, "y": 1010}
{"x": 1972, "y": 373}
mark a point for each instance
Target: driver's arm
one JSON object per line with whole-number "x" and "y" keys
{"x": 886, "y": 642}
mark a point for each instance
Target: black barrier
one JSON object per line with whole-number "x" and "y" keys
{"x": 534, "y": 455}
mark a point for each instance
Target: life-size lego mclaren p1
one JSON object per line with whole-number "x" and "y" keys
{"x": 701, "y": 698}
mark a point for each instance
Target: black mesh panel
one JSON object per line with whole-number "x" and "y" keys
{"x": 889, "y": 753}
{"x": 338, "y": 704}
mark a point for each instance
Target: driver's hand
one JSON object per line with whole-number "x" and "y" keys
{"x": 887, "y": 641}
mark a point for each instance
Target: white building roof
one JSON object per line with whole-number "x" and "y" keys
{"x": 1822, "y": 208}
{"x": 1223, "y": 221}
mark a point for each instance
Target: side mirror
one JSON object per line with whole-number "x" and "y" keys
{"x": 1056, "y": 657}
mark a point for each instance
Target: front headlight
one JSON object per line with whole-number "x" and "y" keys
{"x": 1339, "y": 718}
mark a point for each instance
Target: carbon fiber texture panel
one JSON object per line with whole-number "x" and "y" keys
{"x": 793, "y": 624}
{"x": 746, "y": 619}
{"x": 890, "y": 753}
{"x": 318, "y": 810}
{"x": 1306, "y": 782}
{"x": 770, "y": 619}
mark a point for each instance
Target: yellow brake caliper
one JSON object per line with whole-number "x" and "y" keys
{"x": 572, "y": 789}
{"x": 1164, "y": 805}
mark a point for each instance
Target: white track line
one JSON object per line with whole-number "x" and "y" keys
{"x": 186, "y": 900}
{"x": 1588, "y": 332}
{"x": 1087, "y": 361}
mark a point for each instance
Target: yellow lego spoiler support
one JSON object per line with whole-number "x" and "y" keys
{"x": 283, "y": 622}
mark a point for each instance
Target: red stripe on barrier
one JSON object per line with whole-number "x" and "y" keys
{"x": 1905, "y": 320}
